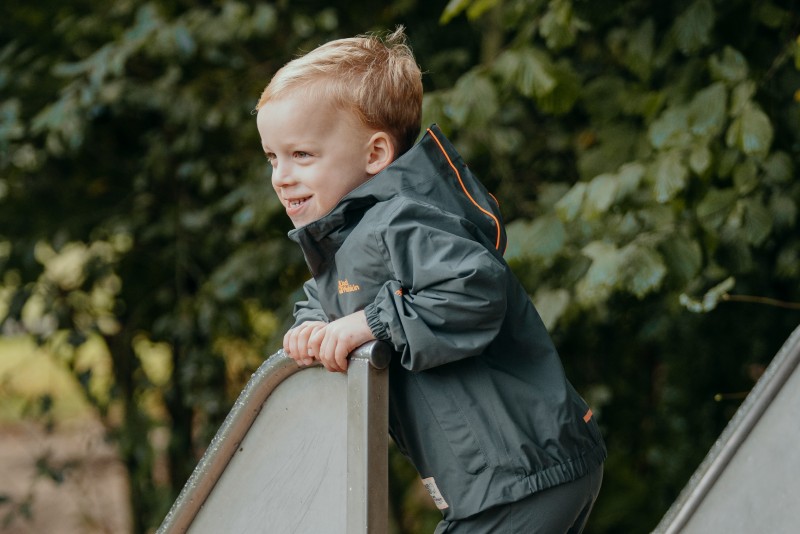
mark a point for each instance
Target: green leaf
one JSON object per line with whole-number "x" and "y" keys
{"x": 601, "y": 97}
{"x": 478, "y": 7}
{"x": 707, "y": 111}
{"x": 700, "y": 159}
{"x": 771, "y": 15}
{"x": 657, "y": 217}
{"x": 715, "y": 208}
{"x": 264, "y": 19}
{"x": 147, "y": 21}
{"x": 745, "y": 176}
{"x": 683, "y": 257}
{"x": 568, "y": 88}
{"x": 474, "y": 9}
{"x": 548, "y": 236}
{"x": 670, "y": 129}
{"x": 504, "y": 141}
{"x": 730, "y": 68}
{"x": 616, "y": 144}
{"x": 742, "y": 96}
{"x": 549, "y": 193}
{"x": 710, "y": 299}
{"x": 452, "y": 9}
{"x": 11, "y": 126}
{"x": 543, "y": 238}
{"x": 602, "y": 276}
{"x": 529, "y": 70}
{"x": 751, "y": 132}
{"x": 570, "y": 204}
{"x": 551, "y": 305}
{"x": 669, "y": 175}
{"x": 692, "y": 28}
{"x": 757, "y": 221}
{"x": 643, "y": 269}
{"x": 787, "y": 265}
{"x": 639, "y": 52}
{"x": 728, "y": 159}
{"x": 625, "y": 226}
{"x": 517, "y": 234}
{"x": 784, "y": 211}
{"x": 629, "y": 177}
{"x": 473, "y": 100}
{"x": 778, "y": 168}
{"x": 184, "y": 40}
{"x": 600, "y": 194}
{"x": 559, "y": 25}
{"x": 195, "y": 220}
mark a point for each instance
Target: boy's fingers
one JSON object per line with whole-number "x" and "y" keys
{"x": 286, "y": 338}
{"x": 316, "y": 338}
{"x": 294, "y": 345}
{"x": 341, "y": 356}
{"x": 327, "y": 354}
{"x": 290, "y": 344}
{"x": 322, "y": 353}
{"x": 338, "y": 354}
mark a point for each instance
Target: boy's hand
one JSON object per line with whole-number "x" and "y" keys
{"x": 295, "y": 342}
{"x": 335, "y": 341}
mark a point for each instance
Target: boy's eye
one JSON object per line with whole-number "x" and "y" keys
{"x": 301, "y": 155}
{"x": 270, "y": 159}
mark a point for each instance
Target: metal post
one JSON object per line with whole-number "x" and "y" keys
{"x": 367, "y": 440}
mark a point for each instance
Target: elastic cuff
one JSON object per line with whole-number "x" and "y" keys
{"x": 374, "y": 322}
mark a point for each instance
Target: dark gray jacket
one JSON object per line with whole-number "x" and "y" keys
{"x": 478, "y": 397}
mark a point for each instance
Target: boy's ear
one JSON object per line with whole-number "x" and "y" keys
{"x": 381, "y": 152}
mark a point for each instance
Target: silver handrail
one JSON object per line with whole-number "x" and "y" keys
{"x": 367, "y": 440}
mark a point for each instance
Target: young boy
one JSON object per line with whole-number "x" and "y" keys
{"x": 406, "y": 246}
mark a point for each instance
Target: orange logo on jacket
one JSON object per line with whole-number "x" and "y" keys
{"x": 347, "y": 287}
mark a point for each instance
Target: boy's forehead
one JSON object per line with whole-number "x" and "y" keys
{"x": 303, "y": 118}
{"x": 291, "y": 108}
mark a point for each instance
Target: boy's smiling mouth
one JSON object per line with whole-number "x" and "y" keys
{"x": 296, "y": 202}
{"x": 295, "y": 206}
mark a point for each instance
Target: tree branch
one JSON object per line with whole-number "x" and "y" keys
{"x": 761, "y": 300}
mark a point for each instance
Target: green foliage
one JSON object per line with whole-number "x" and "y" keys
{"x": 644, "y": 157}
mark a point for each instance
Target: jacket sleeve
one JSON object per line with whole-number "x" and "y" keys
{"x": 310, "y": 309}
{"x": 448, "y": 298}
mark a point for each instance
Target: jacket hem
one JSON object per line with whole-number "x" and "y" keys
{"x": 499, "y": 486}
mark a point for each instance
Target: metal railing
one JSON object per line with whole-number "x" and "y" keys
{"x": 302, "y": 450}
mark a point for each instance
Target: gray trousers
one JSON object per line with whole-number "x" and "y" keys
{"x": 558, "y": 510}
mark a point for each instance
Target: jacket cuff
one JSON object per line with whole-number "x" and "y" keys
{"x": 374, "y": 322}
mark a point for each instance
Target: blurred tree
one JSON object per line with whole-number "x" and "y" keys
{"x": 644, "y": 156}
{"x": 130, "y": 211}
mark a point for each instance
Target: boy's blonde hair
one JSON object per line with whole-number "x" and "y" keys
{"x": 376, "y": 78}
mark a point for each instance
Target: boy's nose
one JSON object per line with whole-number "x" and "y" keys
{"x": 281, "y": 175}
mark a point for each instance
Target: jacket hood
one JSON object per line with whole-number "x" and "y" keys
{"x": 431, "y": 172}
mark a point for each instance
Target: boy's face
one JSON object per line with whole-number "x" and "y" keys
{"x": 318, "y": 154}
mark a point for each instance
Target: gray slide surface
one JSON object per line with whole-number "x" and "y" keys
{"x": 750, "y": 480}
{"x": 303, "y": 450}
